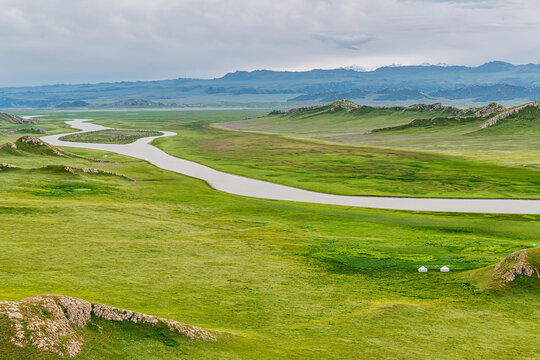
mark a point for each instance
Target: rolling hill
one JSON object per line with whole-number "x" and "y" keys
{"x": 345, "y": 116}
{"x": 436, "y": 128}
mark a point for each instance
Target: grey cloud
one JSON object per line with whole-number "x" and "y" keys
{"x": 110, "y": 40}
{"x": 345, "y": 41}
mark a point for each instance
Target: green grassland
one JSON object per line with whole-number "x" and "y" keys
{"x": 112, "y": 136}
{"x": 512, "y": 142}
{"x": 11, "y": 131}
{"x": 321, "y": 167}
{"x": 336, "y": 119}
{"x": 291, "y": 280}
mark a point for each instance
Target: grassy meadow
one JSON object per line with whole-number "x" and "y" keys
{"x": 511, "y": 142}
{"x": 112, "y": 136}
{"x": 347, "y": 170}
{"x": 290, "y": 280}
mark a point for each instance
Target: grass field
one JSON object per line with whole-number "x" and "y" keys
{"x": 335, "y": 169}
{"x": 292, "y": 280}
{"x": 511, "y": 143}
{"x": 112, "y": 136}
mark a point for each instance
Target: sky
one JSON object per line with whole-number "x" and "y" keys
{"x": 81, "y": 41}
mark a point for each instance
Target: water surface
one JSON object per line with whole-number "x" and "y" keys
{"x": 240, "y": 185}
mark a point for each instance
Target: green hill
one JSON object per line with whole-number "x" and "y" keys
{"x": 525, "y": 119}
{"x": 341, "y": 117}
{"x": 519, "y": 270}
{"x": 5, "y": 117}
{"x": 14, "y": 119}
{"x": 490, "y": 133}
{"x": 26, "y": 145}
{"x": 31, "y": 144}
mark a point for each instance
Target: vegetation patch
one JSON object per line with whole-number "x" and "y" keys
{"x": 82, "y": 171}
{"x": 112, "y": 136}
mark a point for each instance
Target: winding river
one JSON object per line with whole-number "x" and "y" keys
{"x": 240, "y": 185}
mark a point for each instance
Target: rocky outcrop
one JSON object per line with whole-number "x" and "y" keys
{"x": 493, "y": 120}
{"x": 346, "y": 105}
{"x": 51, "y": 322}
{"x": 31, "y": 143}
{"x": 431, "y": 107}
{"x": 517, "y": 263}
{"x": 5, "y": 166}
{"x": 487, "y": 110}
{"x": 8, "y": 146}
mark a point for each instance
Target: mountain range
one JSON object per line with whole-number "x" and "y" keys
{"x": 492, "y": 81}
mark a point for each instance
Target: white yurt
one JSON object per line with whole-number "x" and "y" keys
{"x": 445, "y": 269}
{"x": 422, "y": 269}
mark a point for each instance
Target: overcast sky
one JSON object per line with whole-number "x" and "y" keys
{"x": 72, "y": 41}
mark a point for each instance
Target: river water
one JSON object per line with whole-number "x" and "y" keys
{"x": 240, "y": 185}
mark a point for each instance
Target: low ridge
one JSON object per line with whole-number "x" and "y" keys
{"x": 492, "y": 121}
{"x": 52, "y": 322}
{"x": 349, "y": 106}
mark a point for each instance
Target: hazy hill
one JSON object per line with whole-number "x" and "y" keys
{"x": 73, "y": 104}
{"x": 494, "y": 81}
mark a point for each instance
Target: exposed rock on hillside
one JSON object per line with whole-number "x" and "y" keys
{"x": 51, "y": 322}
{"x": 344, "y": 104}
{"x": 5, "y": 166}
{"x": 8, "y": 146}
{"x": 521, "y": 262}
{"x": 487, "y": 110}
{"x": 431, "y": 107}
{"x": 34, "y": 144}
{"x": 492, "y": 121}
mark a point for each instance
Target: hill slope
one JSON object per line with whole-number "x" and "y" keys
{"x": 14, "y": 119}
{"x": 435, "y": 128}
{"x": 344, "y": 116}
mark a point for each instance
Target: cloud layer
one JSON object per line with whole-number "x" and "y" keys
{"x": 108, "y": 40}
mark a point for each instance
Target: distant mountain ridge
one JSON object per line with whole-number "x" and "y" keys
{"x": 492, "y": 81}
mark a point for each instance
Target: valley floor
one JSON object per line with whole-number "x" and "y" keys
{"x": 293, "y": 280}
